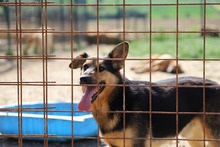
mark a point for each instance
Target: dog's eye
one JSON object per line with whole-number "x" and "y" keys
{"x": 85, "y": 67}
{"x": 101, "y": 68}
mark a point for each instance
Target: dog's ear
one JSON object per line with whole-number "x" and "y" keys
{"x": 120, "y": 52}
{"x": 78, "y": 61}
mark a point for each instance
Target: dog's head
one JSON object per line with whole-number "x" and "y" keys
{"x": 97, "y": 74}
{"x": 173, "y": 68}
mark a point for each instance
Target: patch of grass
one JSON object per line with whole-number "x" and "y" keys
{"x": 189, "y": 46}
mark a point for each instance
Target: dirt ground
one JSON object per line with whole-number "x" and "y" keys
{"x": 58, "y": 75}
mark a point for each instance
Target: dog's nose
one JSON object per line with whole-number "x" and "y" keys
{"x": 173, "y": 71}
{"x": 85, "y": 79}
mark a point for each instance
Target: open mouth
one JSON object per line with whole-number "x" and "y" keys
{"x": 100, "y": 89}
{"x": 90, "y": 95}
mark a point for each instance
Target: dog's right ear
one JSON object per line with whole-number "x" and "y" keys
{"x": 78, "y": 61}
{"x": 120, "y": 52}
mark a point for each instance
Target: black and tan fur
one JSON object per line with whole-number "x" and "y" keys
{"x": 122, "y": 109}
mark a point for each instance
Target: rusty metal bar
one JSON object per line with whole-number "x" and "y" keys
{"x": 52, "y": 57}
{"x": 113, "y": 5}
{"x": 204, "y": 74}
{"x": 150, "y": 76}
{"x": 103, "y": 32}
{"x": 72, "y": 72}
{"x": 177, "y": 90}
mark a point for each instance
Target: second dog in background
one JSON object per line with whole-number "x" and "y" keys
{"x": 163, "y": 63}
{"x": 36, "y": 42}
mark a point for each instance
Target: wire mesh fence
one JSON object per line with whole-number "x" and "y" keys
{"x": 167, "y": 39}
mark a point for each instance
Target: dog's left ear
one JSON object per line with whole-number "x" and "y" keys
{"x": 78, "y": 61}
{"x": 120, "y": 53}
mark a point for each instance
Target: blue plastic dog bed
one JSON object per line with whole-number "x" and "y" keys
{"x": 60, "y": 121}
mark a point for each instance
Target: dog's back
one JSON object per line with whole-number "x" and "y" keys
{"x": 185, "y": 95}
{"x": 169, "y": 104}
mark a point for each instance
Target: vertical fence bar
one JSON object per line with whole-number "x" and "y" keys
{"x": 45, "y": 68}
{"x": 150, "y": 75}
{"x": 72, "y": 73}
{"x": 177, "y": 47}
{"x": 124, "y": 100}
{"x": 204, "y": 74}
{"x": 97, "y": 50}
{"x": 19, "y": 69}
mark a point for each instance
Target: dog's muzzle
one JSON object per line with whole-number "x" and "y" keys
{"x": 85, "y": 79}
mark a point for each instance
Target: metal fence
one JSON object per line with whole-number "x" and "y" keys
{"x": 38, "y": 40}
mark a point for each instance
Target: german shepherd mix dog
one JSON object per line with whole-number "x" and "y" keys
{"x": 130, "y": 113}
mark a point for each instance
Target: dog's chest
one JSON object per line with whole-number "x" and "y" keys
{"x": 119, "y": 138}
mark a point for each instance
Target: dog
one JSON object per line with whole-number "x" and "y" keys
{"x": 164, "y": 63}
{"x": 35, "y": 40}
{"x": 140, "y": 113}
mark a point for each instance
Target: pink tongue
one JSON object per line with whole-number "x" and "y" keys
{"x": 85, "y": 102}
